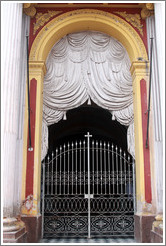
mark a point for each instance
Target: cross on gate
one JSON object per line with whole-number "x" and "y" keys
{"x": 88, "y": 135}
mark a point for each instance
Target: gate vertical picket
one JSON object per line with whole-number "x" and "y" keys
{"x": 88, "y": 151}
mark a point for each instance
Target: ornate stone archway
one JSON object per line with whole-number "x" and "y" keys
{"x": 81, "y": 20}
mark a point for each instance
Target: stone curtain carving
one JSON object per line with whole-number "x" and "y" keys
{"x": 88, "y": 65}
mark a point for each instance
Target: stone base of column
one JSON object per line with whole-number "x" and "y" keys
{"x": 19, "y": 236}
{"x": 33, "y": 227}
{"x": 157, "y": 235}
{"x": 14, "y": 231}
{"x": 157, "y": 230}
{"x": 143, "y": 227}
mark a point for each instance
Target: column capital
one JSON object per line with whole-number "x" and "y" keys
{"x": 37, "y": 67}
{"x": 139, "y": 69}
{"x": 147, "y": 10}
{"x": 29, "y": 9}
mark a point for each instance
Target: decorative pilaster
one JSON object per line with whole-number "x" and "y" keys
{"x": 32, "y": 172}
{"x": 143, "y": 216}
{"x": 32, "y": 159}
{"x": 139, "y": 70}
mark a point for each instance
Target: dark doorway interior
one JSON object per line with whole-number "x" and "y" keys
{"x": 92, "y": 118}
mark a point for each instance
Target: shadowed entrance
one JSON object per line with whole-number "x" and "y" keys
{"x": 87, "y": 118}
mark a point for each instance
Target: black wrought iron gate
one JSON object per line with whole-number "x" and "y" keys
{"x": 88, "y": 191}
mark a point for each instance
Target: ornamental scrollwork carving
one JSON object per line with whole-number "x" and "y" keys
{"x": 65, "y": 16}
{"x": 29, "y": 9}
{"x": 41, "y": 19}
{"x": 147, "y": 11}
{"x": 134, "y": 19}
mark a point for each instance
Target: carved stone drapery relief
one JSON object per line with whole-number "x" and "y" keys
{"x": 88, "y": 65}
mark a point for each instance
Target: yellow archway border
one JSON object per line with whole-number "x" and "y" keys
{"x": 75, "y": 21}
{"x": 87, "y": 19}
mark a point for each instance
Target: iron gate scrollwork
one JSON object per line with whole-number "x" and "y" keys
{"x": 78, "y": 201}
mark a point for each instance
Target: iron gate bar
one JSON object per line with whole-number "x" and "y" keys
{"x": 80, "y": 167}
{"x": 68, "y": 166}
{"x": 84, "y": 167}
{"x": 113, "y": 167}
{"x": 52, "y": 175}
{"x": 56, "y": 172}
{"x": 88, "y": 146}
{"x": 125, "y": 170}
{"x": 117, "y": 169}
{"x": 60, "y": 169}
{"x": 101, "y": 176}
{"x": 48, "y": 176}
{"x": 64, "y": 208}
{"x": 129, "y": 172}
{"x": 64, "y": 169}
{"x": 134, "y": 191}
{"x": 93, "y": 165}
{"x": 105, "y": 165}
{"x": 43, "y": 198}
{"x": 109, "y": 167}
{"x": 97, "y": 166}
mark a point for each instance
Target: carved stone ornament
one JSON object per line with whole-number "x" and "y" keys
{"x": 29, "y": 204}
{"x": 134, "y": 19}
{"x": 150, "y": 6}
{"x": 29, "y": 9}
{"x": 147, "y": 10}
{"x": 41, "y": 19}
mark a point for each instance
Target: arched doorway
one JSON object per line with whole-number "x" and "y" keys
{"x": 53, "y": 31}
{"x": 66, "y": 177}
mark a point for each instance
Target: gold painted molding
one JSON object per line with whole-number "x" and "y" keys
{"x": 42, "y": 18}
{"x": 134, "y": 19}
